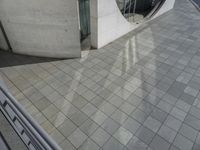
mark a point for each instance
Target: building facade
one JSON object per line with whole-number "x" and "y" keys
{"x": 51, "y": 28}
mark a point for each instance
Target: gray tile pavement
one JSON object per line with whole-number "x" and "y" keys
{"x": 140, "y": 92}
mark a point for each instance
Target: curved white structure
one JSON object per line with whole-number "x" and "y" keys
{"x": 108, "y": 24}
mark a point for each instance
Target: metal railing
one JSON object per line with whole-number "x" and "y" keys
{"x": 29, "y": 131}
{"x": 196, "y": 3}
{"x": 143, "y": 8}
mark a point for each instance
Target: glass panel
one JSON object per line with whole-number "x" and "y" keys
{"x": 84, "y": 11}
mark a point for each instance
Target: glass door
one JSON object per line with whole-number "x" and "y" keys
{"x": 84, "y": 13}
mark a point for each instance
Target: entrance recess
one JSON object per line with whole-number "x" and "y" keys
{"x": 84, "y": 13}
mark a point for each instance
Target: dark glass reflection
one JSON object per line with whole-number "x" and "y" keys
{"x": 136, "y": 10}
{"x": 84, "y": 13}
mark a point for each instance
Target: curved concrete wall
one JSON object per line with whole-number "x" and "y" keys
{"x": 42, "y": 27}
{"x": 108, "y": 24}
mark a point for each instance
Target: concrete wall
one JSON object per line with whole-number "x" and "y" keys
{"x": 42, "y": 27}
{"x": 3, "y": 44}
{"x": 108, "y": 24}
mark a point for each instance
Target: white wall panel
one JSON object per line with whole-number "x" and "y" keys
{"x": 110, "y": 24}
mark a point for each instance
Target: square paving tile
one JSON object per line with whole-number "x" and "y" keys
{"x": 159, "y": 143}
{"x": 113, "y": 144}
{"x": 152, "y": 124}
{"x": 131, "y": 125}
{"x": 136, "y": 143}
{"x": 177, "y": 89}
{"x": 67, "y": 127}
{"x": 110, "y": 125}
{"x": 173, "y": 123}
{"x": 183, "y": 143}
{"x": 188, "y": 132}
{"x": 100, "y": 136}
{"x": 167, "y": 133}
{"x": 123, "y": 135}
{"x": 145, "y": 135}
{"x": 77, "y": 138}
{"x": 89, "y": 145}
{"x": 88, "y": 127}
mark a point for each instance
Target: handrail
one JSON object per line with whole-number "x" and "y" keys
{"x": 156, "y": 9}
{"x": 30, "y": 132}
